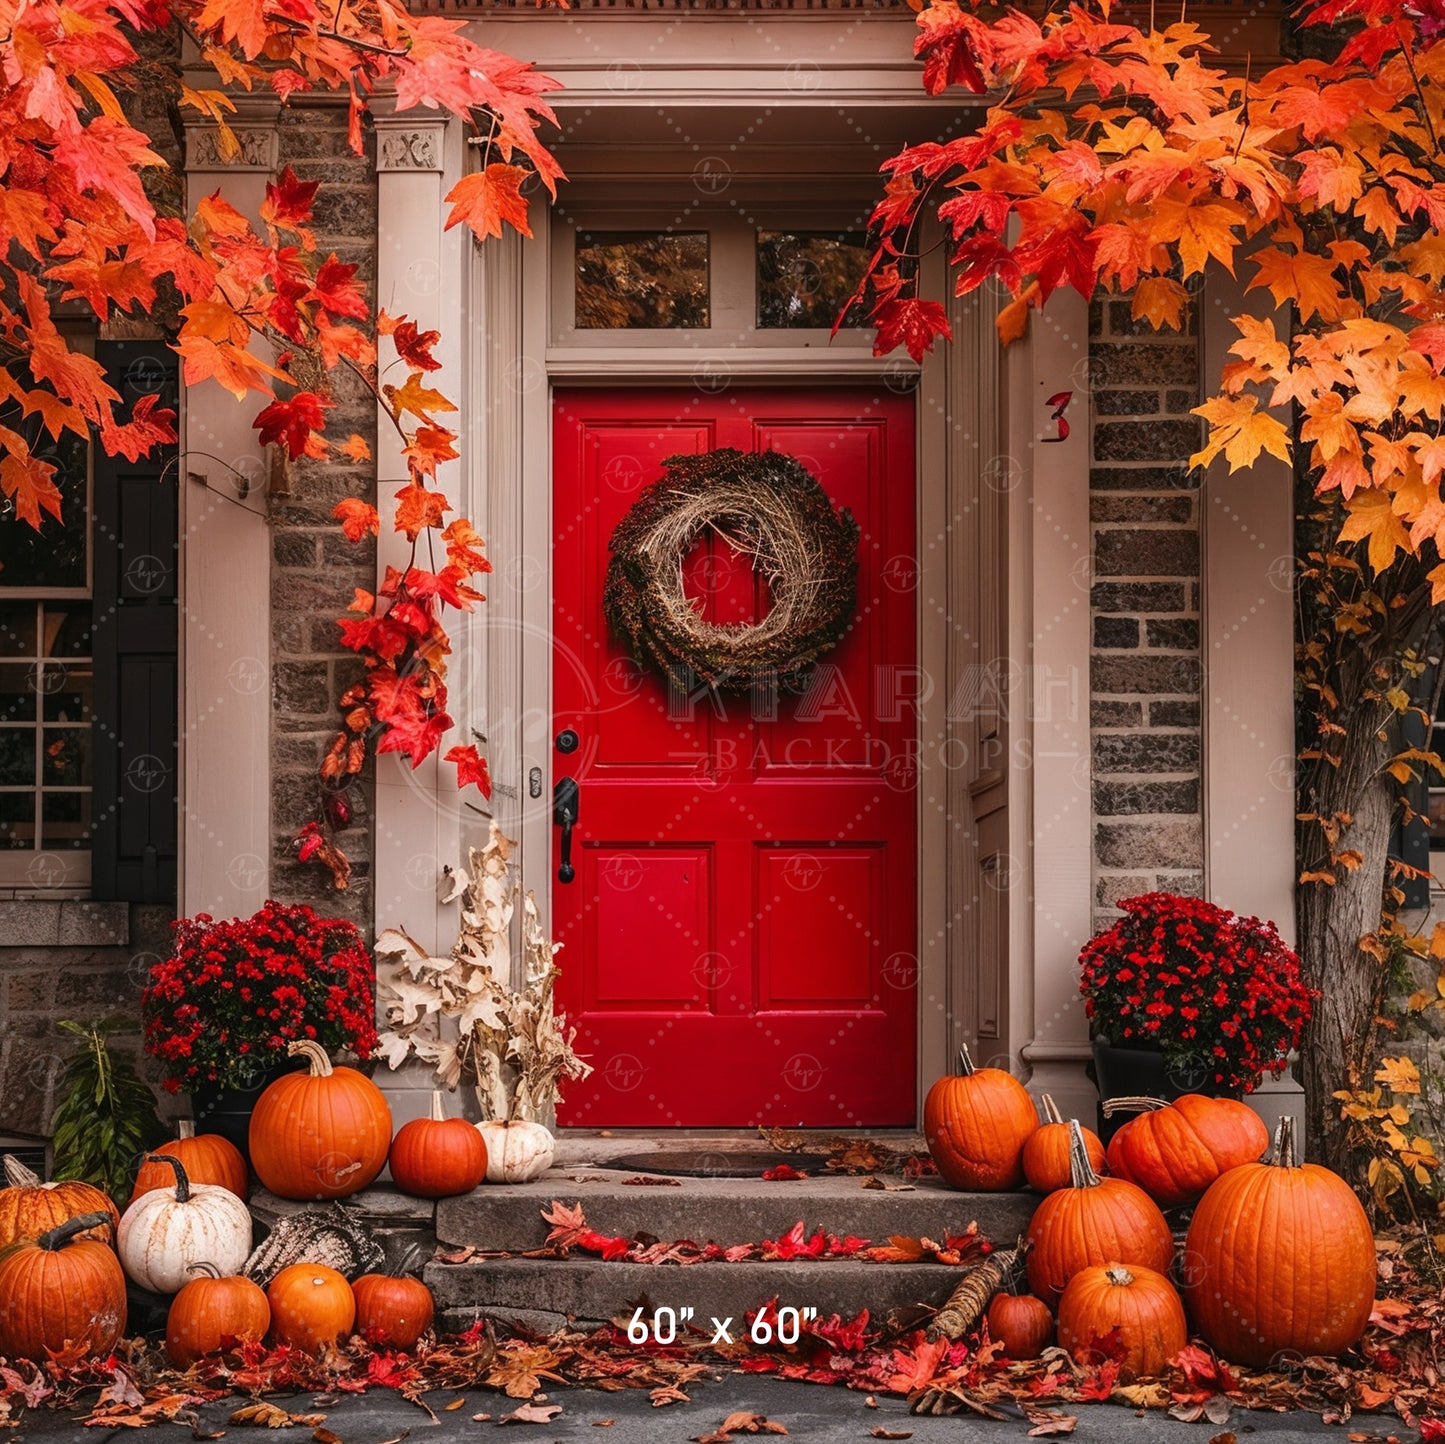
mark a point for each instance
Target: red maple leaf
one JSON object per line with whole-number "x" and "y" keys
{"x": 909, "y": 321}
{"x": 292, "y": 421}
{"x": 945, "y": 44}
{"x": 288, "y": 200}
{"x": 415, "y": 347}
{"x": 335, "y": 287}
{"x": 358, "y": 518}
{"x": 471, "y": 767}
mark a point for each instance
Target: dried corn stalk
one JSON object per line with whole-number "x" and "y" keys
{"x": 461, "y": 1014}
{"x": 969, "y": 1301}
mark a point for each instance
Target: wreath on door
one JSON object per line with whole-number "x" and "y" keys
{"x": 767, "y": 507}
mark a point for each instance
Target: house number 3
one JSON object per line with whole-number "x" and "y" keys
{"x": 1058, "y": 403}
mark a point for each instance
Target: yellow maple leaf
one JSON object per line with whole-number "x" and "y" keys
{"x": 1160, "y": 301}
{"x": 1399, "y": 1075}
{"x": 418, "y": 399}
{"x": 1198, "y": 229}
{"x": 1239, "y": 429}
{"x": 1372, "y": 518}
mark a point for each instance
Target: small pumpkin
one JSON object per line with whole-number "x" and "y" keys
{"x": 1174, "y": 1151}
{"x": 1094, "y": 1221}
{"x": 1046, "y": 1152}
{"x": 212, "y": 1313}
{"x": 164, "y": 1232}
{"x": 65, "y": 1287}
{"x": 207, "y": 1158}
{"x": 1021, "y": 1323}
{"x": 1282, "y": 1260}
{"x": 394, "y": 1310}
{"x": 312, "y": 1307}
{"x": 1138, "y": 1307}
{"x": 517, "y": 1151}
{"x": 323, "y": 1133}
{"x": 438, "y": 1156}
{"x": 29, "y": 1207}
{"x": 976, "y": 1124}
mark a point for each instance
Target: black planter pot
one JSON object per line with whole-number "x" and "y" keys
{"x": 227, "y": 1111}
{"x": 1142, "y": 1072}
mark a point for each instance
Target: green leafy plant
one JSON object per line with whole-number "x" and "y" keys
{"x": 106, "y": 1116}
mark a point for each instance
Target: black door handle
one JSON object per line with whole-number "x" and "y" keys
{"x": 566, "y": 796}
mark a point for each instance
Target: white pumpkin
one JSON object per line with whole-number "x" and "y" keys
{"x": 165, "y": 1233}
{"x": 517, "y": 1151}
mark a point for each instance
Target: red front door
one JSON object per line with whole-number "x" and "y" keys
{"x": 740, "y": 939}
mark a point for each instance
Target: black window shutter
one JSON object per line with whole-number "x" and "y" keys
{"x": 136, "y": 555}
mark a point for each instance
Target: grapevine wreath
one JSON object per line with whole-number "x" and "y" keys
{"x": 767, "y": 507}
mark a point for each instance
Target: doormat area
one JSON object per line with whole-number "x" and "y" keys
{"x": 715, "y": 1162}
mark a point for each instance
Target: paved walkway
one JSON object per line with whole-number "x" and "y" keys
{"x": 815, "y": 1413}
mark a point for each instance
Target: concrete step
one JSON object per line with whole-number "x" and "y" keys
{"x": 725, "y": 1211}
{"x": 545, "y": 1294}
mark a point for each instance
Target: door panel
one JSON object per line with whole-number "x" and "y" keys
{"x": 745, "y": 866}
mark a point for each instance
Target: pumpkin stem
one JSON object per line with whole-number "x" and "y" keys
{"x": 18, "y": 1176}
{"x": 1111, "y": 1106}
{"x": 1051, "y": 1109}
{"x": 313, "y": 1053}
{"x": 437, "y": 1115}
{"x": 1081, "y": 1171}
{"x": 1284, "y": 1143}
{"x": 183, "y": 1184}
{"x": 204, "y": 1267}
{"x": 186, "y": 1128}
{"x": 62, "y": 1233}
{"x": 965, "y": 1064}
{"x": 1118, "y": 1274}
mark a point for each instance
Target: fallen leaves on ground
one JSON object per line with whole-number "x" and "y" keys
{"x": 1393, "y": 1370}
{"x": 741, "y": 1422}
{"x": 531, "y": 1414}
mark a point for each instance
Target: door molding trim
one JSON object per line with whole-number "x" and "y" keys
{"x": 508, "y": 490}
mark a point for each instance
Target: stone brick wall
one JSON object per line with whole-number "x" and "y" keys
{"x": 75, "y": 960}
{"x": 1145, "y": 667}
{"x": 314, "y": 569}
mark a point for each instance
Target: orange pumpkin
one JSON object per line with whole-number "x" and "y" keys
{"x": 976, "y": 1124}
{"x": 211, "y": 1313}
{"x": 1282, "y": 1260}
{"x": 438, "y": 1156}
{"x": 319, "y": 1134}
{"x": 207, "y": 1158}
{"x": 1093, "y": 1221}
{"x": 1174, "y": 1151}
{"x": 312, "y": 1307}
{"x": 1046, "y": 1152}
{"x": 64, "y": 1287}
{"x": 1135, "y": 1306}
{"x": 1021, "y": 1323}
{"x": 29, "y": 1208}
{"x": 393, "y": 1311}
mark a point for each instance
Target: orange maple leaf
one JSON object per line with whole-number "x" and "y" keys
{"x": 489, "y": 199}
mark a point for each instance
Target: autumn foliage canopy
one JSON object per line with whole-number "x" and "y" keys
{"x": 262, "y": 312}
{"x": 1119, "y": 160}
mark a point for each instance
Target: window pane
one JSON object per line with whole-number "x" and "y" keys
{"x": 17, "y": 756}
{"x": 67, "y": 757}
{"x": 806, "y": 277}
{"x": 67, "y": 631}
{"x": 17, "y": 819}
{"x": 642, "y": 280}
{"x": 67, "y": 692}
{"x": 17, "y": 693}
{"x": 54, "y": 556}
{"x": 65, "y": 819}
{"x": 17, "y": 629}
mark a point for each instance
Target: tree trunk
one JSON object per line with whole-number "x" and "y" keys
{"x": 1337, "y": 1050}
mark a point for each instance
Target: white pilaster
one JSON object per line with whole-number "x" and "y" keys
{"x": 1052, "y": 365}
{"x": 225, "y": 598}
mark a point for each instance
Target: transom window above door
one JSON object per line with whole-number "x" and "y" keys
{"x": 753, "y": 276}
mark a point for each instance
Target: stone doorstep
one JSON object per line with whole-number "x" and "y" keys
{"x": 545, "y": 1294}
{"x": 724, "y": 1211}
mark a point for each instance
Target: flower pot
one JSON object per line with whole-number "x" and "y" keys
{"x": 227, "y": 1111}
{"x": 1137, "y": 1072}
